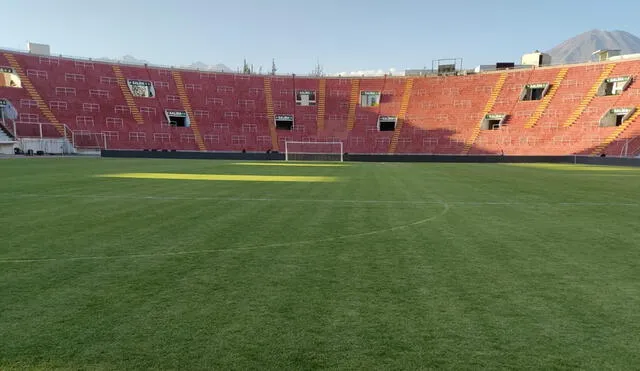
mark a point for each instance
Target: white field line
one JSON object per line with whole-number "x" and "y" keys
{"x": 445, "y": 209}
{"x": 302, "y": 200}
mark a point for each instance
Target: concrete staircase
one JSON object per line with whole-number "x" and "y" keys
{"x": 4, "y": 136}
{"x": 322, "y": 101}
{"x": 184, "y": 99}
{"x": 128, "y": 97}
{"x": 353, "y": 103}
{"x": 33, "y": 93}
{"x": 537, "y": 114}
{"x": 268, "y": 95}
{"x": 615, "y": 134}
{"x": 404, "y": 106}
{"x": 589, "y": 96}
{"x": 495, "y": 92}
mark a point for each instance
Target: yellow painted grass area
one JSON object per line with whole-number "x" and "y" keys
{"x": 225, "y": 177}
{"x": 287, "y": 164}
{"x": 576, "y": 167}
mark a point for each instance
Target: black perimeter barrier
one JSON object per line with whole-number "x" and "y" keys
{"x": 618, "y": 161}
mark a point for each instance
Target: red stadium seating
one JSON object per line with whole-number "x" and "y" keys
{"x": 90, "y": 102}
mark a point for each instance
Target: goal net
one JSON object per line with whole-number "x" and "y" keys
{"x": 313, "y": 151}
{"x": 89, "y": 140}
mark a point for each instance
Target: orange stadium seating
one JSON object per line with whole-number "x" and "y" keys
{"x": 92, "y": 104}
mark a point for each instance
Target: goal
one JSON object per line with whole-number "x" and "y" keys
{"x": 89, "y": 140}
{"x": 313, "y": 151}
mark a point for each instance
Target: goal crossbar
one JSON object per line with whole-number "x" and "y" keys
{"x": 313, "y": 151}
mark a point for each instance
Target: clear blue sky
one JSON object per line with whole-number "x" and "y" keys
{"x": 346, "y": 35}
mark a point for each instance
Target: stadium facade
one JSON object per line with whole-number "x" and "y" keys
{"x": 58, "y": 104}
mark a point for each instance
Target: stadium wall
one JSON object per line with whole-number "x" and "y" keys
{"x": 194, "y": 155}
{"x": 49, "y": 146}
{"x": 612, "y": 161}
{"x": 6, "y": 148}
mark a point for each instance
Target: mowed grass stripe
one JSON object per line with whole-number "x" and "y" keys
{"x": 577, "y": 167}
{"x": 501, "y": 286}
{"x": 224, "y": 177}
{"x": 288, "y": 164}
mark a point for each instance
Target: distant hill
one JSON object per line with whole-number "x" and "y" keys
{"x": 195, "y": 65}
{"x": 205, "y": 67}
{"x": 128, "y": 59}
{"x": 579, "y": 48}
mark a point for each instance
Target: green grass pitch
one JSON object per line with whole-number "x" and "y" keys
{"x": 373, "y": 266}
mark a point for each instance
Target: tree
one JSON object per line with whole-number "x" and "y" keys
{"x": 273, "y": 67}
{"x": 245, "y": 68}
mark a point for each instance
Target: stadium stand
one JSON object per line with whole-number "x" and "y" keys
{"x": 573, "y": 109}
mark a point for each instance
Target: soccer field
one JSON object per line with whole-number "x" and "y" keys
{"x": 170, "y": 264}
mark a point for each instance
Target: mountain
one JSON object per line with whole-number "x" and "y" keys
{"x": 380, "y": 72}
{"x": 579, "y": 48}
{"x": 205, "y": 67}
{"x": 128, "y": 59}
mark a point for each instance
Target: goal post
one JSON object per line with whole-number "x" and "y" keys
{"x": 89, "y": 140}
{"x": 313, "y": 151}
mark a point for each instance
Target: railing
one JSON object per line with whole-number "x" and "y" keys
{"x": 78, "y": 139}
{"x": 5, "y": 129}
{"x": 632, "y": 147}
{"x": 237, "y": 72}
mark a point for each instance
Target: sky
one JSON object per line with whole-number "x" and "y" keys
{"x": 344, "y": 36}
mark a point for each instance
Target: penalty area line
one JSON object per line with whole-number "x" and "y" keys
{"x": 445, "y": 209}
